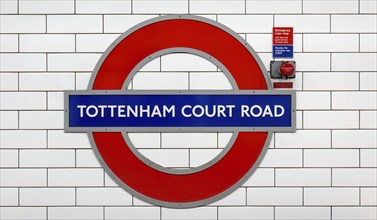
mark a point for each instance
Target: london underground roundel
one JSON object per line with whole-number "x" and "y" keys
{"x": 107, "y": 111}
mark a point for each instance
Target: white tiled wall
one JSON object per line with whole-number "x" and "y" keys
{"x": 326, "y": 170}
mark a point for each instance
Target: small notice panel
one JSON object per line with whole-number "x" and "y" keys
{"x": 282, "y": 41}
{"x": 283, "y": 35}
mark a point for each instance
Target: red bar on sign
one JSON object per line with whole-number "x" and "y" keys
{"x": 282, "y": 35}
{"x": 283, "y": 85}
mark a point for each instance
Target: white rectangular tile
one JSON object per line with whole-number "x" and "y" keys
{"x": 75, "y": 213}
{"x": 41, "y": 120}
{"x": 74, "y": 24}
{"x": 103, "y": 6}
{"x": 331, "y": 119}
{"x": 21, "y": 213}
{"x": 9, "y": 119}
{"x": 368, "y": 158}
{"x": 9, "y": 197}
{"x": 75, "y": 177}
{"x": 330, "y": 7}
{"x": 248, "y": 23}
{"x": 47, "y": 43}
{"x": 8, "y": 81}
{"x": 368, "y": 119}
{"x": 160, "y": 81}
{"x": 304, "y": 23}
{"x": 299, "y": 213}
{"x": 273, "y": 7}
{"x": 304, "y": 61}
{"x": 23, "y": 177}
{"x": 47, "y": 158}
{"x": 8, "y": 6}
{"x": 60, "y": 139}
{"x": 331, "y": 196}
{"x": 354, "y": 61}
{"x": 261, "y": 177}
{"x": 22, "y": 24}
{"x": 331, "y": 42}
{"x": 22, "y": 100}
{"x": 274, "y": 196}
{"x": 331, "y": 81}
{"x": 46, "y": 7}
{"x": 368, "y": 42}
{"x": 368, "y": 81}
{"x": 303, "y": 177}
{"x": 360, "y": 213}
{"x": 47, "y": 196}
{"x": 246, "y": 213}
{"x": 103, "y": 197}
{"x": 189, "y": 140}
{"x": 185, "y": 62}
{"x": 354, "y": 177}
{"x": 331, "y": 158}
{"x": 86, "y": 158}
{"x": 22, "y": 62}
{"x": 313, "y": 100}
{"x": 353, "y": 23}
{"x": 132, "y": 213}
{"x": 55, "y": 100}
{"x": 8, "y": 42}
{"x": 121, "y": 23}
{"x": 160, "y": 7}
{"x": 218, "y": 81}
{"x": 167, "y": 157}
{"x": 368, "y": 6}
{"x": 368, "y": 196}
{"x": 217, "y": 7}
{"x": 354, "y": 139}
{"x": 282, "y": 158}
{"x": 208, "y": 213}
{"x": 46, "y": 81}
{"x": 23, "y": 139}
{"x": 72, "y": 62}
{"x": 8, "y": 158}
{"x": 94, "y": 42}
{"x": 304, "y": 139}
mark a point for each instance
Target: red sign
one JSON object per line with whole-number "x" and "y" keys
{"x": 287, "y": 69}
{"x": 283, "y": 85}
{"x": 283, "y": 35}
{"x": 130, "y": 169}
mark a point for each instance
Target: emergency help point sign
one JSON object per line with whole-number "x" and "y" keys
{"x": 282, "y": 40}
{"x": 107, "y": 110}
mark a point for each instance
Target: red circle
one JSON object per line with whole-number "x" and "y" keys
{"x": 287, "y": 69}
{"x": 133, "y": 172}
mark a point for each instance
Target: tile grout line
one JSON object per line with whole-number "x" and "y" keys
{"x": 217, "y": 212}
{"x": 132, "y": 6}
{"x": 245, "y": 7}
{"x": 103, "y": 212}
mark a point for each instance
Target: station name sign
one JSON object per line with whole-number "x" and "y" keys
{"x": 133, "y": 111}
{"x": 251, "y": 111}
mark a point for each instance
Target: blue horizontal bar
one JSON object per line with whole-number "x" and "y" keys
{"x": 179, "y": 110}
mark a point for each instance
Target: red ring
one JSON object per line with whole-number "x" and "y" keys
{"x": 134, "y": 173}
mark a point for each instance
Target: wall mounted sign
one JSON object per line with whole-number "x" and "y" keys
{"x": 107, "y": 111}
{"x": 282, "y": 40}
